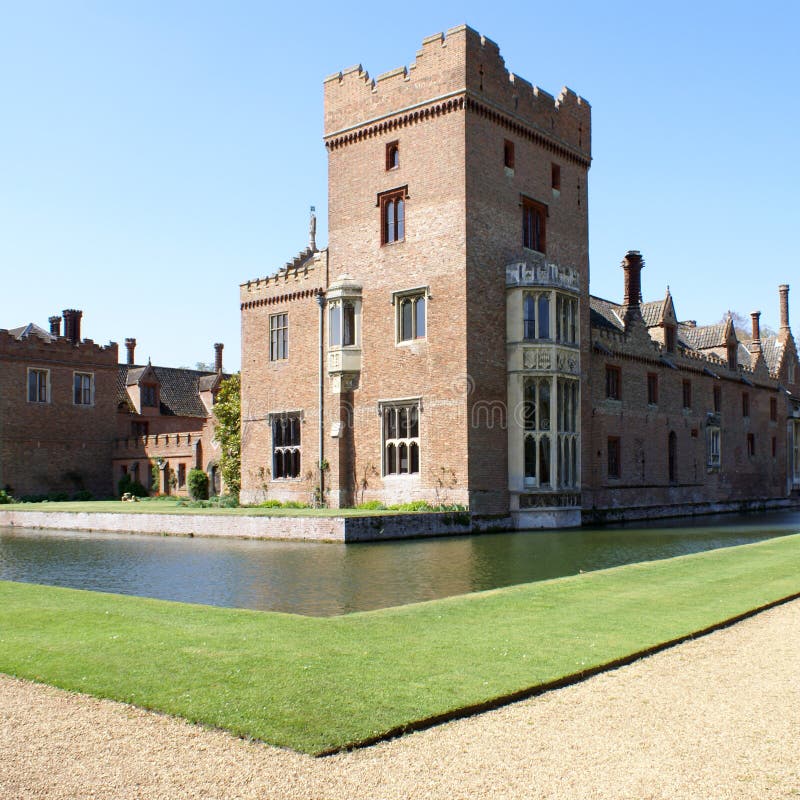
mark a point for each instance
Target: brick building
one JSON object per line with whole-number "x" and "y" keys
{"x": 58, "y": 404}
{"x": 445, "y": 344}
{"x": 73, "y": 419}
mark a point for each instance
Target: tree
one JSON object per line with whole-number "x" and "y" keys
{"x": 228, "y": 432}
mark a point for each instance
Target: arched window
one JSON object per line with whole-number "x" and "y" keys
{"x": 392, "y": 155}
{"x": 393, "y": 216}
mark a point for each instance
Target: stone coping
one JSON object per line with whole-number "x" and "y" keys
{"x": 319, "y": 529}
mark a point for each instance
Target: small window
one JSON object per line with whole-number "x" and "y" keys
{"x": 745, "y": 404}
{"x": 613, "y": 383}
{"x": 614, "y": 457}
{"x": 410, "y": 319}
{"x": 83, "y": 389}
{"x": 393, "y": 216}
{"x": 733, "y": 355}
{"x": 139, "y": 428}
{"x": 652, "y": 388}
{"x": 751, "y": 444}
{"x": 149, "y": 395}
{"x": 38, "y": 386}
{"x": 687, "y": 394}
{"x": 555, "y": 176}
{"x": 181, "y": 475}
{"x": 401, "y": 440}
{"x": 717, "y": 399}
{"x": 670, "y": 338}
{"x": 392, "y": 155}
{"x": 773, "y": 409}
{"x": 508, "y": 154}
{"x": 774, "y": 447}
{"x": 286, "y": 446}
{"x": 278, "y": 337}
{"x": 712, "y": 446}
{"x": 534, "y": 225}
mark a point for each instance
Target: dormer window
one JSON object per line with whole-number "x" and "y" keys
{"x": 669, "y": 336}
{"x": 149, "y": 396}
{"x": 732, "y": 355}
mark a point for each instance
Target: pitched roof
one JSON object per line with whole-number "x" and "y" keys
{"x": 605, "y": 314}
{"x": 24, "y": 331}
{"x": 703, "y": 337}
{"x": 772, "y": 349}
{"x": 653, "y": 312}
{"x": 179, "y": 388}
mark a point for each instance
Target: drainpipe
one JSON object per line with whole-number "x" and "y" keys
{"x": 321, "y": 303}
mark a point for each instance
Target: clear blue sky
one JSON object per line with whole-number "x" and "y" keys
{"x": 153, "y": 155}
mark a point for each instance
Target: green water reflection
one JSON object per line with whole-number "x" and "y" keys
{"x": 328, "y": 579}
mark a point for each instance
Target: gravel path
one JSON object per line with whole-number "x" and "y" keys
{"x": 715, "y": 718}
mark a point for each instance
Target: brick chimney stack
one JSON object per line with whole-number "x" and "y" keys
{"x": 55, "y": 325}
{"x": 218, "y": 356}
{"x": 783, "y": 291}
{"x": 72, "y": 324}
{"x": 755, "y": 318}
{"x": 130, "y": 346}
{"x": 632, "y": 266}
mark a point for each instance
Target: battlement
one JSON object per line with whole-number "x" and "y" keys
{"x": 57, "y": 349}
{"x": 304, "y": 276}
{"x": 459, "y": 63}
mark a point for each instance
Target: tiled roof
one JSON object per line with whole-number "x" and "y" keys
{"x": 179, "y": 388}
{"x": 653, "y": 312}
{"x": 24, "y": 331}
{"x": 605, "y": 314}
{"x": 772, "y": 350}
{"x": 703, "y": 337}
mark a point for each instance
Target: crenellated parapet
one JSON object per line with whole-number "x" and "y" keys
{"x": 453, "y": 71}
{"x": 304, "y": 276}
{"x": 57, "y": 349}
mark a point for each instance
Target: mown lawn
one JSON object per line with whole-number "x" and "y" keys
{"x": 169, "y": 505}
{"x": 315, "y": 684}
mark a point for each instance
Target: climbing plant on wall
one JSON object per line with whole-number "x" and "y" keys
{"x": 228, "y": 432}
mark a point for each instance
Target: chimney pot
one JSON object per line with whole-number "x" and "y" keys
{"x": 130, "y": 346}
{"x": 55, "y": 325}
{"x": 755, "y": 319}
{"x": 218, "y": 356}
{"x": 72, "y": 324}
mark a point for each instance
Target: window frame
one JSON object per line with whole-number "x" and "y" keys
{"x": 38, "y": 400}
{"x": 144, "y": 395}
{"x": 294, "y": 449}
{"x": 393, "y": 155}
{"x": 773, "y": 409}
{"x": 614, "y": 457}
{"x": 533, "y": 238}
{"x": 717, "y": 399}
{"x": 751, "y": 445}
{"x": 613, "y": 383}
{"x": 745, "y": 405}
{"x": 391, "y": 463}
{"x": 652, "y": 388}
{"x": 508, "y": 154}
{"x": 713, "y": 446}
{"x": 83, "y": 402}
{"x": 687, "y": 395}
{"x": 555, "y": 176}
{"x": 398, "y": 215}
{"x": 279, "y": 336}
{"x": 415, "y": 295}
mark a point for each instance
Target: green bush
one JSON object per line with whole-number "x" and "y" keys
{"x": 372, "y": 505}
{"x": 83, "y": 495}
{"x": 198, "y": 484}
{"x": 127, "y": 485}
{"x": 6, "y": 498}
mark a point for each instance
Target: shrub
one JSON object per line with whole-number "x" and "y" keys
{"x": 6, "y": 498}
{"x": 83, "y": 494}
{"x": 198, "y": 484}
{"x": 270, "y": 504}
{"x": 129, "y": 485}
{"x": 372, "y": 505}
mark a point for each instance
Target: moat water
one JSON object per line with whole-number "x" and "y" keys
{"x": 329, "y": 579}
